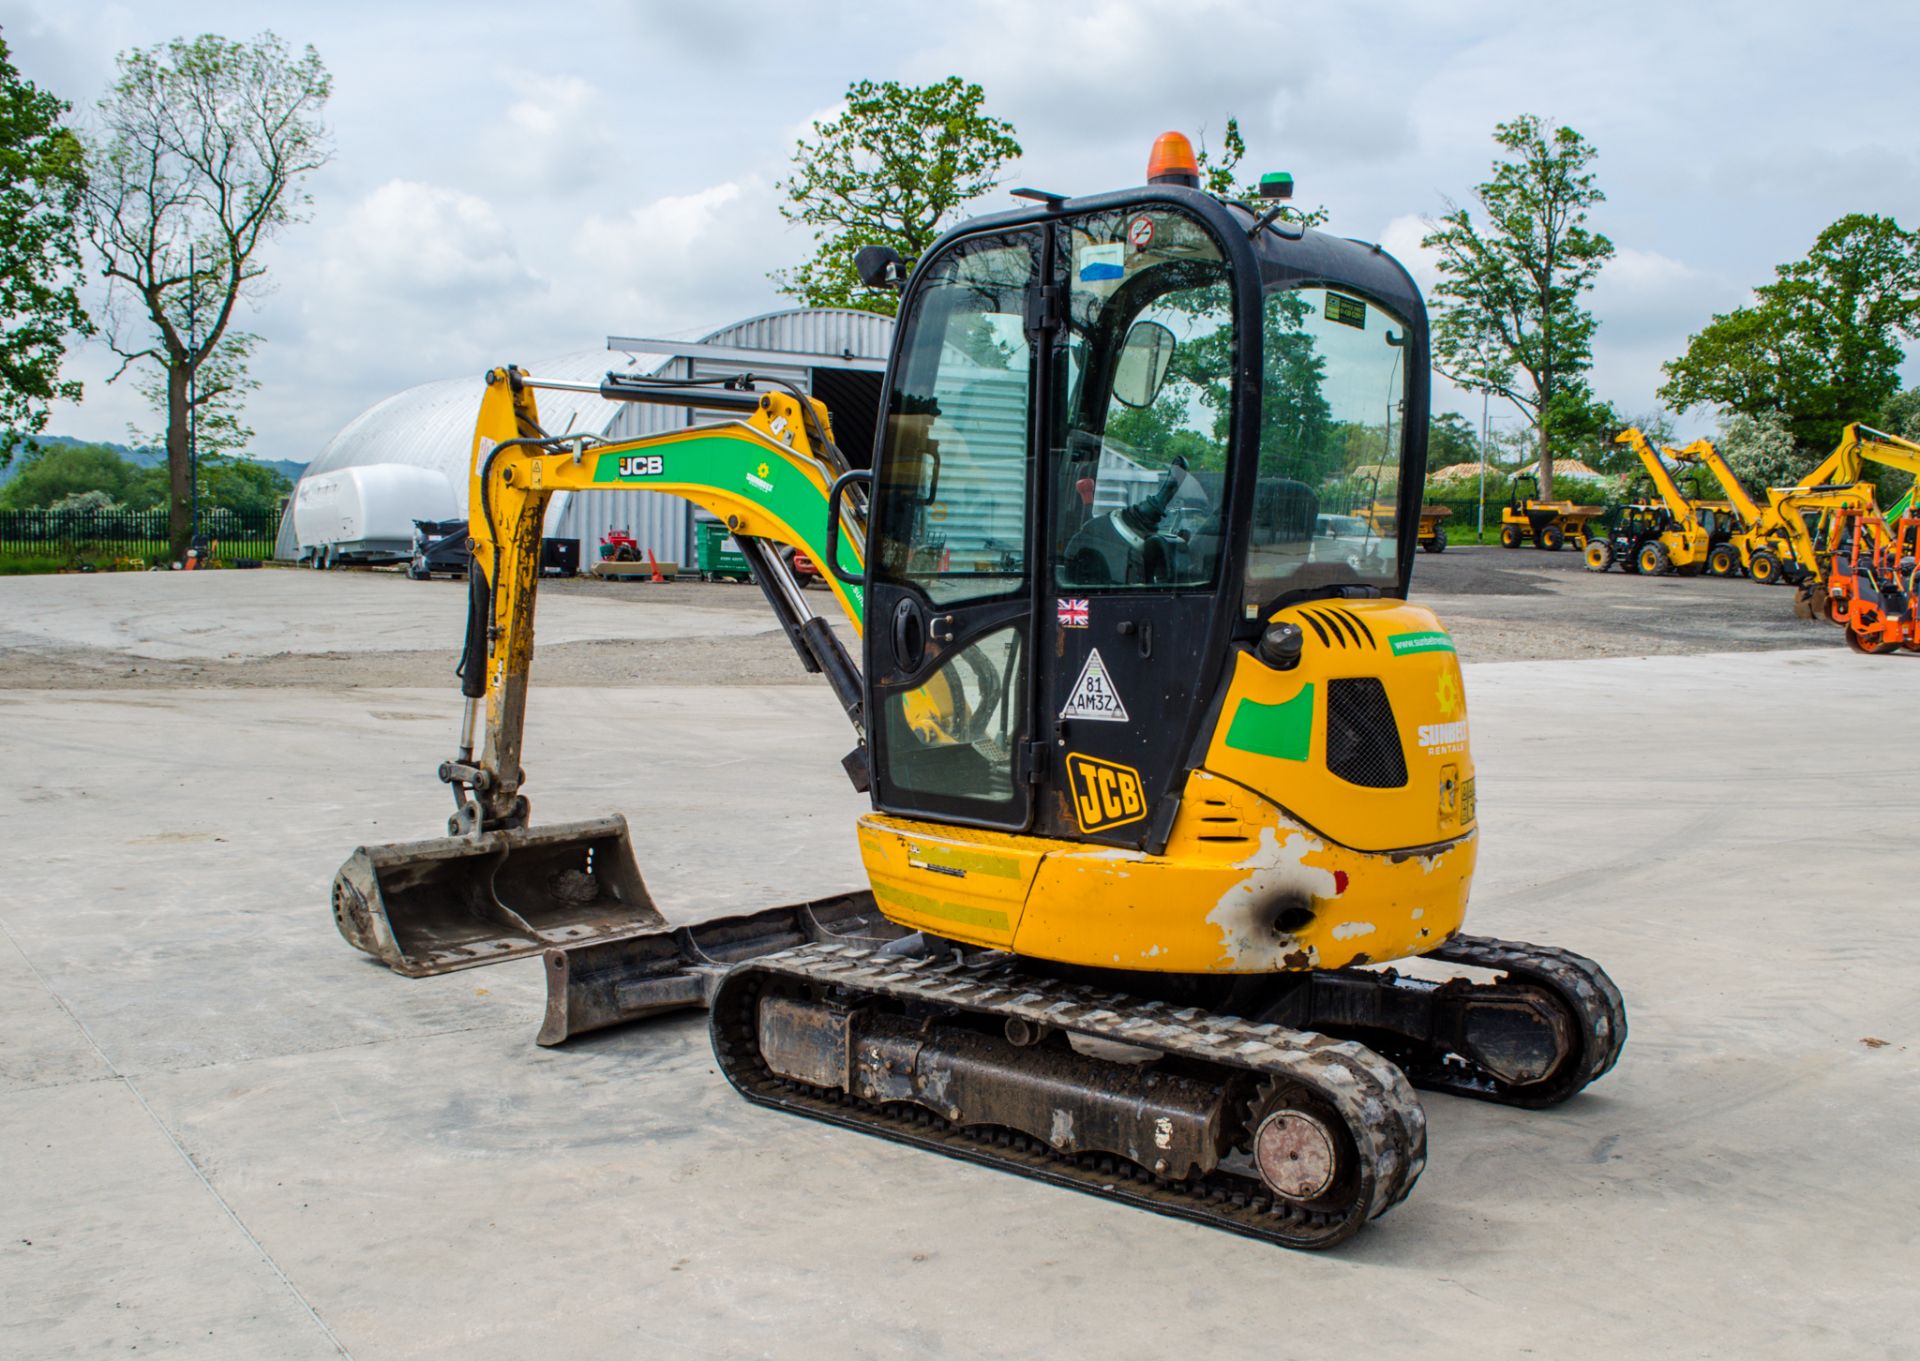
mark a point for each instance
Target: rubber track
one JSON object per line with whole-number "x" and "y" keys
{"x": 1599, "y": 1010}
{"x": 1382, "y": 1112}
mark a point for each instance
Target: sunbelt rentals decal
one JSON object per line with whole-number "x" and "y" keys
{"x": 1431, "y": 641}
{"x": 1450, "y": 734}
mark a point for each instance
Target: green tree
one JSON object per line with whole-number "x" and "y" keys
{"x": 1508, "y": 314}
{"x": 49, "y": 473}
{"x": 220, "y": 383}
{"x": 242, "y": 485}
{"x": 1820, "y": 345}
{"x": 1761, "y": 451}
{"x": 1451, "y": 439}
{"x": 207, "y": 143}
{"x": 42, "y": 177}
{"x": 889, "y": 170}
{"x": 1901, "y": 415}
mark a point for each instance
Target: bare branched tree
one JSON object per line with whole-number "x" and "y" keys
{"x": 202, "y": 148}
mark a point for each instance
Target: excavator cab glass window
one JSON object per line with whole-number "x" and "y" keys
{"x": 954, "y": 506}
{"x": 946, "y": 635}
{"x": 1332, "y": 423}
{"x": 1148, "y": 354}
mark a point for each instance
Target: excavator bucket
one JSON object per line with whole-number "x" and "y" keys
{"x": 598, "y": 983}
{"x": 430, "y": 907}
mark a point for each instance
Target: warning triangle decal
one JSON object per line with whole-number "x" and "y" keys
{"x": 1093, "y": 694}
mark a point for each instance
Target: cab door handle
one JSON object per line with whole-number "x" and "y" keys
{"x": 1128, "y": 628}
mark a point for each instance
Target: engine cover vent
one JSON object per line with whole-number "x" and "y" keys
{"x": 1363, "y": 742}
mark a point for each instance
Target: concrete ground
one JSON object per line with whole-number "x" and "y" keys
{"x": 1519, "y": 604}
{"x": 225, "y": 1134}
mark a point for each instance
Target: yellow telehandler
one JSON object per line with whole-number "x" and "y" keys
{"x": 1653, "y": 540}
{"x": 1159, "y": 776}
{"x": 1783, "y": 540}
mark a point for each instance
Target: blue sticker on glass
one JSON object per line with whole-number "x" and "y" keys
{"x": 1103, "y": 264}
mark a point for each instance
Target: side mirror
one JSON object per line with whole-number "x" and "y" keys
{"x": 880, "y": 267}
{"x": 1141, "y": 369}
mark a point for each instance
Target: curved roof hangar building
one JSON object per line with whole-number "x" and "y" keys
{"x": 405, "y": 458}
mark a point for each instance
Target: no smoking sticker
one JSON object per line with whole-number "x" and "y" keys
{"x": 1140, "y": 232}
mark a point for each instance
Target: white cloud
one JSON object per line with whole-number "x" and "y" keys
{"x": 685, "y": 260}
{"x": 411, "y": 244}
{"x": 1646, "y": 295}
{"x": 1401, "y": 238}
{"x": 558, "y": 133}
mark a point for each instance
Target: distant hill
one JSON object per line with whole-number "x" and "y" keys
{"x": 147, "y": 456}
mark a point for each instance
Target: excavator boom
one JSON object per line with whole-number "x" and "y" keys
{"x": 1704, "y": 452}
{"x": 492, "y": 889}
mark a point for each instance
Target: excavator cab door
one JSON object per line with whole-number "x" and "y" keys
{"x": 949, "y": 592}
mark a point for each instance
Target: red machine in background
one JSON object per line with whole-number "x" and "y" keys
{"x": 1873, "y": 584}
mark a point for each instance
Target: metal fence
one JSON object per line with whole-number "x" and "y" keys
{"x": 100, "y": 537}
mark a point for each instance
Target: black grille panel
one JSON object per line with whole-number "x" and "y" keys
{"x": 1363, "y": 743}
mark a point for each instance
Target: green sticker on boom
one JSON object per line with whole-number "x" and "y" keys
{"x": 1403, "y": 643}
{"x": 738, "y": 467}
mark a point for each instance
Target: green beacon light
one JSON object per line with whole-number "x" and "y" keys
{"x": 1277, "y": 188}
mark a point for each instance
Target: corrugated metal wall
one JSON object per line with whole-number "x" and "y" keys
{"x": 665, "y": 524}
{"x": 983, "y": 472}
{"x": 659, "y": 523}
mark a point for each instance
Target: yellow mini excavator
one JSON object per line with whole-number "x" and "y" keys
{"x": 1161, "y": 775}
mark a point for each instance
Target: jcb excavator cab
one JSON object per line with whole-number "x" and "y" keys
{"x": 1115, "y": 425}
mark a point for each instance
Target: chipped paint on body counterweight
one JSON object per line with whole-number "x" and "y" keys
{"x": 1243, "y": 886}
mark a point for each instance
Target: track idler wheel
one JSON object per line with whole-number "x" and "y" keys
{"x": 1300, "y": 1147}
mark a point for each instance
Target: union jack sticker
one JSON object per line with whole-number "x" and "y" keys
{"x": 1073, "y": 613}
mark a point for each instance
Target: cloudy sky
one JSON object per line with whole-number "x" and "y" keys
{"x": 516, "y": 181}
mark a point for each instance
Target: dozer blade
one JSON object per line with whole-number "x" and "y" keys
{"x": 429, "y": 907}
{"x": 598, "y": 983}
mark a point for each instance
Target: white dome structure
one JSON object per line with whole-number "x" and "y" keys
{"x": 405, "y": 458}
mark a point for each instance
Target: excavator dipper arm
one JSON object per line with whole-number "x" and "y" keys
{"x": 492, "y": 889}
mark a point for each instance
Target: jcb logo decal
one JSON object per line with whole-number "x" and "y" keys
{"x": 1105, "y": 794}
{"x": 642, "y": 465}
